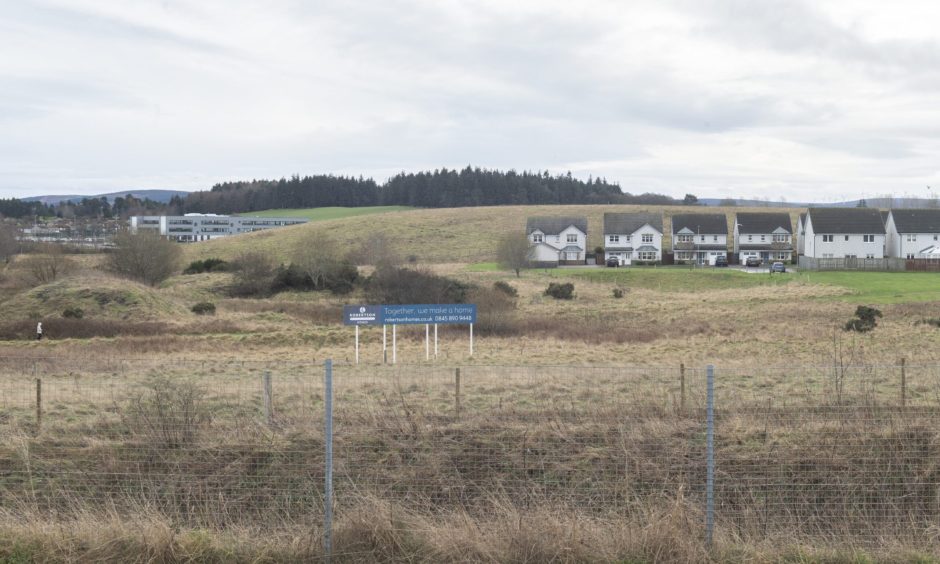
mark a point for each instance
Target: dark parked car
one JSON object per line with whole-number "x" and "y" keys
{"x": 721, "y": 261}
{"x": 778, "y": 267}
{"x": 613, "y": 261}
{"x": 752, "y": 261}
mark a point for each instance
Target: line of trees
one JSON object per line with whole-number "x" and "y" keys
{"x": 87, "y": 208}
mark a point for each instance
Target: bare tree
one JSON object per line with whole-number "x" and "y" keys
{"x": 144, "y": 256}
{"x": 253, "y": 274}
{"x": 9, "y": 246}
{"x": 320, "y": 258}
{"x": 512, "y": 252}
{"x": 47, "y": 263}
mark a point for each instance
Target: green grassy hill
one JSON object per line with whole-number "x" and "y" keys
{"x": 450, "y": 235}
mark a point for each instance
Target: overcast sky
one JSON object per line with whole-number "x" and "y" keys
{"x": 821, "y": 100}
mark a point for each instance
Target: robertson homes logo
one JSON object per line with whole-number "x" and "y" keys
{"x": 362, "y": 315}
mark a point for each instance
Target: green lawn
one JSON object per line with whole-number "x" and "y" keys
{"x": 881, "y": 287}
{"x": 675, "y": 278}
{"x": 320, "y": 214}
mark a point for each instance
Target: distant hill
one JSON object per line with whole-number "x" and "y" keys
{"x": 162, "y": 196}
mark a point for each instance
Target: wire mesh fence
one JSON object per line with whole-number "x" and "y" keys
{"x": 838, "y": 454}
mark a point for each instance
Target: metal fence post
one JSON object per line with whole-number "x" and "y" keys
{"x": 710, "y": 448}
{"x": 328, "y": 462}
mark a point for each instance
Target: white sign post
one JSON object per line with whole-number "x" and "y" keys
{"x": 394, "y": 345}
{"x": 427, "y": 342}
{"x": 435, "y": 340}
{"x": 471, "y": 339}
{"x": 357, "y": 344}
{"x": 384, "y": 345}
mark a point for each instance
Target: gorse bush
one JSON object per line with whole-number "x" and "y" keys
{"x": 207, "y": 265}
{"x": 865, "y": 319}
{"x": 618, "y": 293}
{"x": 413, "y": 286}
{"x": 505, "y": 288}
{"x": 560, "y": 291}
{"x": 73, "y": 312}
{"x": 204, "y": 308}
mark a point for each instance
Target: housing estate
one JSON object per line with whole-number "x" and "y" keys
{"x": 699, "y": 237}
{"x": 205, "y": 226}
{"x": 767, "y": 236}
{"x": 913, "y": 233}
{"x": 557, "y": 240}
{"x": 633, "y": 237}
{"x": 844, "y": 233}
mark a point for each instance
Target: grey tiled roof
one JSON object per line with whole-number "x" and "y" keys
{"x": 626, "y": 223}
{"x": 554, "y": 225}
{"x": 701, "y": 223}
{"x": 763, "y": 222}
{"x": 917, "y": 221}
{"x": 647, "y": 249}
{"x": 846, "y": 220}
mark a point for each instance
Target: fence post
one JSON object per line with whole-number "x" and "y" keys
{"x": 682, "y": 386}
{"x": 268, "y": 409}
{"x": 903, "y": 385}
{"x": 710, "y": 448}
{"x": 38, "y": 405}
{"x": 457, "y": 393}
{"x": 328, "y": 462}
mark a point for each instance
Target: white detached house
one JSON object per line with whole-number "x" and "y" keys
{"x": 767, "y": 236}
{"x": 699, "y": 237}
{"x": 633, "y": 237}
{"x": 913, "y": 233}
{"x": 844, "y": 233}
{"x": 557, "y": 240}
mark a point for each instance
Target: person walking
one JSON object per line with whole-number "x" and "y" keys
{"x": 39, "y": 331}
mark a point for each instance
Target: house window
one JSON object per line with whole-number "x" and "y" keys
{"x": 871, "y": 238}
{"x": 647, "y": 238}
{"x": 614, "y": 238}
{"x": 750, "y": 238}
{"x": 870, "y": 256}
{"x": 627, "y": 238}
{"x": 910, "y": 255}
{"x": 715, "y": 238}
{"x": 685, "y": 238}
{"x": 911, "y": 237}
{"x": 846, "y": 237}
{"x": 763, "y": 238}
{"x": 537, "y": 238}
{"x": 646, "y": 255}
{"x": 703, "y": 238}
{"x": 827, "y": 238}
{"x": 572, "y": 237}
{"x": 781, "y": 238}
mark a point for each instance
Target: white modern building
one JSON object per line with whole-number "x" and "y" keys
{"x": 557, "y": 239}
{"x": 206, "y": 226}
{"x": 913, "y": 233}
{"x": 844, "y": 233}
{"x": 699, "y": 237}
{"x": 633, "y": 237}
{"x": 767, "y": 236}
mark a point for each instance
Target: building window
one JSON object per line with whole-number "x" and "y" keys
{"x": 627, "y": 238}
{"x": 646, "y": 255}
{"x": 615, "y": 238}
{"x": 685, "y": 238}
{"x": 910, "y": 255}
{"x": 537, "y": 238}
{"x": 871, "y": 238}
{"x": 572, "y": 237}
{"x": 870, "y": 256}
{"x": 750, "y": 238}
{"x": 781, "y": 238}
{"x": 827, "y": 255}
{"x": 763, "y": 238}
{"x": 647, "y": 238}
{"x": 911, "y": 237}
{"x": 715, "y": 238}
{"x": 703, "y": 238}
{"x": 827, "y": 238}
{"x": 846, "y": 237}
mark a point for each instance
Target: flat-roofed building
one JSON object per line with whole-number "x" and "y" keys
{"x": 205, "y": 226}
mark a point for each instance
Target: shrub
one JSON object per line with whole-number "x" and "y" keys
{"x": 865, "y": 319}
{"x": 560, "y": 291}
{"x": 512, "y": 252}
{"x": 618, "y": 293}
{"x": 47, "y": 264}
{"x": 935, "y": 321}
{"x": 496, "y": 312}
{"x": 505, "y": 288}
{"x": 412, "y": 286}
{"x": 204, "y": 308}
{"x": 168, "y": 414}
{"x": 73, "y": 312}
{"x": 254, "y": 275}
{"x": 144, "y": 256}
{"x": 208, "y": 265}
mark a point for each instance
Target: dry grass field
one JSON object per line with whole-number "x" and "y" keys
{"x": 570, "y": 440}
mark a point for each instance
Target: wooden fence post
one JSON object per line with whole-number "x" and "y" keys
{"x": 38, "y": 404}
{"x": 903, "y": 385}
{"x": 682, "y": 386}
{"x": 457, "y": 393}
{"x": 268, "y": 407}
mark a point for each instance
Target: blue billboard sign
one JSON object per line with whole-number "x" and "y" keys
{"x": 417, "y": 314}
